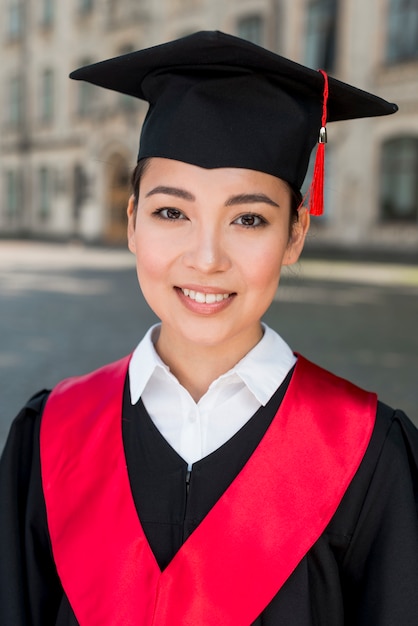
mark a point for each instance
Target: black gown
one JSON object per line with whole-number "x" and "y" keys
{"x": 362, "y": 571}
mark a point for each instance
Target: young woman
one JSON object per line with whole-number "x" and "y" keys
{"x": 213, "y": 477}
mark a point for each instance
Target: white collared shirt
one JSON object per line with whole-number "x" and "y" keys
{"x": 193, "y": 429}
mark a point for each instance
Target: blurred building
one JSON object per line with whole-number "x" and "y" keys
{"x": 67, "y": 148}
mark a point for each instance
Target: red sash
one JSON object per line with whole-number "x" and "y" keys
{"x": 238, "y": 558}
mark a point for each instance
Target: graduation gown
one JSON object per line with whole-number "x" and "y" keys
{"x": 362, "y": 570}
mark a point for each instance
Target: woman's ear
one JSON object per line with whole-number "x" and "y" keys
{"x": 131, "y": 212}
{"x": 297, "y": 237}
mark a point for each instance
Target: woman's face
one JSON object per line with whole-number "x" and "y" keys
{"x": 209, "y": 247}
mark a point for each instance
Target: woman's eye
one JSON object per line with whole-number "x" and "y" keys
{"x": 250, "y": 220}
{"x": 170, "y": 214}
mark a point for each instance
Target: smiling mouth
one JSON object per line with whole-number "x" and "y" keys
{"x": 205, "y": 298}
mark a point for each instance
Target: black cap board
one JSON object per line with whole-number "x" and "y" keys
{"x": 216, "y": 100}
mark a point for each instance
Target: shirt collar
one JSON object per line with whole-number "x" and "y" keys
{"x": 145, "y": 360}
{"x": 262, "y": 370}
{"x": 266, "y": 366}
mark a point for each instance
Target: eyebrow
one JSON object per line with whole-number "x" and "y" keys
{"x": 172, "y": 191}
{"x": 243, "y": 198}
{"x": 250, "y": 198}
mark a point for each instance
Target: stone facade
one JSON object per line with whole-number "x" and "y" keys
{"x": 67, "y": 148}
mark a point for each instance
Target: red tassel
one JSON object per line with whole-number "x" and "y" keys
{"x": 316, "y": 190}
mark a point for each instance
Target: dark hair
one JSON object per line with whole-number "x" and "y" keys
{"x": 296, "y": 197}
{"x": 137, "y": 174}
{"x": 296, "y": 200}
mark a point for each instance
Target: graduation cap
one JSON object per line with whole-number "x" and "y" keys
{"x": 216, "y": 100}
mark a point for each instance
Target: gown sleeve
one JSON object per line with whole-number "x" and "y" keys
{"x": 381, "y": 563}
{"x": 30, "y": 591}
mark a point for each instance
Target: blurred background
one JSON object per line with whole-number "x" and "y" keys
{"x": 68, "y": 294}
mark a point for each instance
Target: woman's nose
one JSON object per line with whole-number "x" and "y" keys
{"x": 207, "y": 252}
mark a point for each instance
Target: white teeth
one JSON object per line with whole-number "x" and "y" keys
{"x": 207, "y": 298}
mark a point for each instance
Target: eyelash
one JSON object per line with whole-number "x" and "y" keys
{"x": 163, "y": 215}
{"x": 261, "y": 220}
{"x": 160, "y": 214}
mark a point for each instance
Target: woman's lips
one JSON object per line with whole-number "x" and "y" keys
{"x": 204, "y": 302}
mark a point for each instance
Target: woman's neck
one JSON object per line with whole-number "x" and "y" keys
{"x": 196, "y": 366}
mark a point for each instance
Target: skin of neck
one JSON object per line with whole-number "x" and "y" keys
{"x": 197, "y": 366}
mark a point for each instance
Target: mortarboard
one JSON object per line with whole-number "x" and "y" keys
{"x": 216, "y": 100}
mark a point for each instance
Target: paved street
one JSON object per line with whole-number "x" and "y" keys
{"x": 65, "y": 309}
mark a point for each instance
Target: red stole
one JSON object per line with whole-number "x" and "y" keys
{"x": 238, "y": 558}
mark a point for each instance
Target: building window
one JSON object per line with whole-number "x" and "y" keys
{"x": 13, "y": 194}
{"x": 402, "y": 39}
{"x": 321, "y": 28}
{"x": 15, "y": 18}
{"x": 44, "y": 206}
{"x": 85, "y": 94}
{"x": 85, "y": 6}
{"x": 81, "y": 189}
{"x": 399, "y": 181}
{"x": 16, "y": 101}
{"x": 251, "y": 28}
{"x": 84, "y": 99}
{"x": 47, "y": 95}
{"x": 47, "y": 16}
